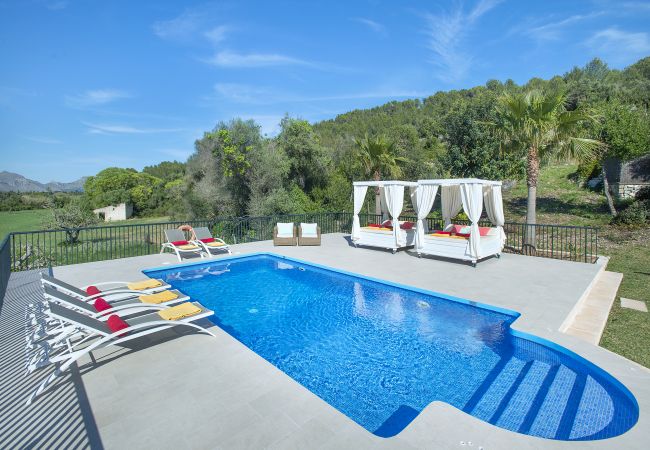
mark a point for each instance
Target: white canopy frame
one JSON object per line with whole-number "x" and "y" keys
{"x": 392, "y": 200}
{"x": 468, "y": 194}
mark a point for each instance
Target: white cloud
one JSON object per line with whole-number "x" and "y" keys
{"x": 179, "y": 28}
{"x": 263, "y": 95}
{"x": 57, "y": 5}
{"x": 374, "y": 26}
{"x": 217, "y": 34}
{"x": 177, "y": 153}
{"x": 43, "y": 140}
{"x": 446, "y": 33}
{"x": 96, "y": 97}
{"x": 125, "y": 129}
{"x": 553, "y": 30}
{"x": 618, "y": 45}
{"x": 243, "y": 93}
{"x": 232, "y": 59}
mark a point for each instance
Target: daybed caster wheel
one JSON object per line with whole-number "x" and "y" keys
{"x": 473, "y": 263}
{"x": 419, "y": 255}
{"x": 394, "y": 251}
{"x": 498, "y": 255}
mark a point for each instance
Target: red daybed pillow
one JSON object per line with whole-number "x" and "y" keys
{"x": 407, "y": 226}
{"x": 483, "y": 231}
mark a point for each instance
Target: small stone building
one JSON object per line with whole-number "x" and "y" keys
{"x": 115, "y": 212}
{"x": 628, "y": 178}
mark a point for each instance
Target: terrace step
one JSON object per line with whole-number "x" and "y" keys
{"x": 589, "y": 321}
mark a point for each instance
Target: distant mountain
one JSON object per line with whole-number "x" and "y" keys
{"x": 12, "y": 182}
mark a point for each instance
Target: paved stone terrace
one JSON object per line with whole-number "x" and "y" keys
{"x": 186, "y": 390}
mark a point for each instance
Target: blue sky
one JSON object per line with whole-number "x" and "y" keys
{"x": 89, "y": 84}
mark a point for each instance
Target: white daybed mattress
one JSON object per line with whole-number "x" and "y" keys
{"x": 375, "y": 237}
{"x": 458, "y": 248}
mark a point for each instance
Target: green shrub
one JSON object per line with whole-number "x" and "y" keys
{"x": 637, "y": 214}
{"x": 588, "y": 170}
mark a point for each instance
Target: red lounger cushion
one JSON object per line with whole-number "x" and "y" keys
{"x": 483, "y": 231}
{"x": 465, "y": 235}
{"x": 207, "y": 240}
{"x": 115, "y": 323}
{"x": 92, "y": 290}
{"x": 101, "y": 304}
{"x": 180, "y": 243}
{"x": 406, "y": 226}
{"x": 441, "y": 232}
{"x": 374, "y": 225}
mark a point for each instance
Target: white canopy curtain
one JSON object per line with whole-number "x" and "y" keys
{"x": 395, "y": 203}
{"x": 359, "y": 197}
{"x": 472, "y": 198}
{"x": 382, "y": 202}
{"x": 422, "y": 198}
{"x": 450, "y": 201}
{"x": 494, "y": 208}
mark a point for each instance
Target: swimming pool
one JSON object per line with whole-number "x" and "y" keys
{"x": 380, "y": 353}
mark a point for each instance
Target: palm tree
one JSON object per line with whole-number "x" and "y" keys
{"x": 378, "y": 159}
{"x": 539, "y": 124}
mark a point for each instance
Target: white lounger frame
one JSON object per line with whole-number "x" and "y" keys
{"x": 179, "y": 251}
{"x": 459, "y": 248}
{"x": 66, "y": 355}
{"x": 205, "y": 246}
{"x": 383, "y": 239}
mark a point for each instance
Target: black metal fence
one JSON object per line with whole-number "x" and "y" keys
{"x": 34, "y": 249}
{"x": 566, "y": 242}
{"x": 5, "y": 267}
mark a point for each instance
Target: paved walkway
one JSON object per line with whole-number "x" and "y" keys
{"x": 63, "y": 419}
{"x": 193, "y": 391}
{"x": 592, "y": 313}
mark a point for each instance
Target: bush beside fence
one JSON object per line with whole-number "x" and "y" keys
{"x": 35, "y": 249}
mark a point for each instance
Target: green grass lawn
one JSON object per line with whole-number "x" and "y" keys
{"x": 32, "y": 220}
{"x": 29, "y": 220}
{"x": 561, "y": 201}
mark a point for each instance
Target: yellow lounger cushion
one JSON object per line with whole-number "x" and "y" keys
{"x": 144, "y": 284}
{"x": 160, "y": 297}
{"x": 447, "y": 236}
{"x": 187, "y": 247}
{"x": 214, "y": 244}
{"x": 179, "y": 312}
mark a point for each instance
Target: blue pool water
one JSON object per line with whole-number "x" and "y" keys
{"x": 381, "y": 353}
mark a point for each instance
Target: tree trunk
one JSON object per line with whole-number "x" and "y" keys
{"x": 377, "y": 177}
{"x": 608, "y": 194}
{"x": 378, "y": 203}
{"x": 532, "y": 177}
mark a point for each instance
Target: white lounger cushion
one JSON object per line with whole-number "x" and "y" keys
{"x": 285, "y": 230}
{"x": 309, "y": 229}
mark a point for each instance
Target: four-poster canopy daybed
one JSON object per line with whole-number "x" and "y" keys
{"x": 383, "y": 235}
{"x": 468, "y": 243}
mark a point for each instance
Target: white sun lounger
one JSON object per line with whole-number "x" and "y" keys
{"x": 117, "y": 293}
{"x": 88, "y": 308}
{"x": 45, "y": 328}
{"x": 64, "y": 356}
{"x": 204, "y": 238}
{"x": 188, "y": 247}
